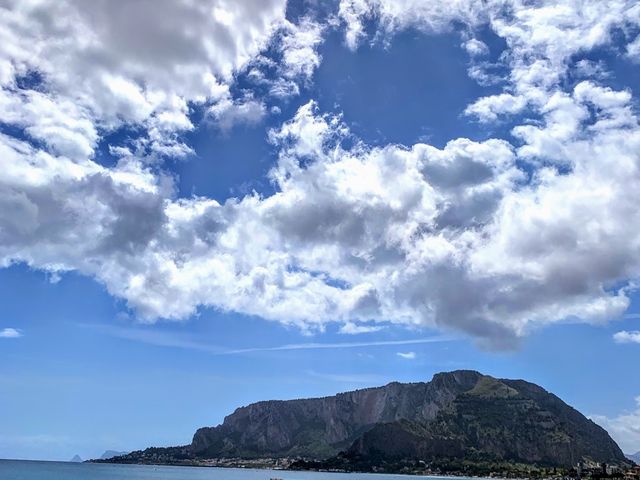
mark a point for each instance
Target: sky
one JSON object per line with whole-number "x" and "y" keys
{"x": 206, "y": 204}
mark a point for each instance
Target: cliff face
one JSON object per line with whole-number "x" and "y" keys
{"x": 457, "y": 414}
{"x": 501, "y": 420}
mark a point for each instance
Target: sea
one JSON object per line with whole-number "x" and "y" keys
{"x": 32, "y": 470}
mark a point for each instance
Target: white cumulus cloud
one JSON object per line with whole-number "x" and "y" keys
{"x": 103, "y": 64}
{"x": 407, "y": 355}
{"x": 10, "y": 333}
{"x": 627, "y": 337}
{"x": 488, "y": 238}
{"x": 475, "y": 47}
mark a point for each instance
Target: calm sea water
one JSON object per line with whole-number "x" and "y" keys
{"x": 27, "y": 470}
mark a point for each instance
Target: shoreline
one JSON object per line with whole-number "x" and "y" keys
{"x": 322, "y": 470}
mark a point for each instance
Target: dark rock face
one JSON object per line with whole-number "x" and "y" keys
{"x": 497, "y": 419}
{"x": 457, "y": 414}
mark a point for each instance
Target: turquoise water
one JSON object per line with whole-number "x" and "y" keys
{"x": 27, "y": 470}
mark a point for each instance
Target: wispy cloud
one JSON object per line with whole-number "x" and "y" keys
{"x": 155, "y": 337}
{"x": 316, "y": 346}
{"x": 351, "y": 328}
{"x": 627, "y": 337}
{"x": 10, "y": 333}
{"x": 407, "y": 355}
{"x": 166, "y": 339}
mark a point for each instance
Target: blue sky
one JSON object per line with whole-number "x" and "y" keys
{"x": 282, "y": 200}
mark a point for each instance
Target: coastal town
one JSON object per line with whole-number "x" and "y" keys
{"x": 601, "y": 471}
{"x": 584, "y": 470}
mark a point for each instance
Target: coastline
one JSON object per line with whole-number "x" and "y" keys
{"x": 286, "y": 474}
{"x": 263, "y": 464}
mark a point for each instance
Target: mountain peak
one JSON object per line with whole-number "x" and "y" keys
{"x": 461, "y": 377}
{"x": 460, "y": 413}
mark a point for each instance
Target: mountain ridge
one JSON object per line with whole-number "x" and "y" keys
{"x": 111, "y": 453}
{"x": 461, "y": 414}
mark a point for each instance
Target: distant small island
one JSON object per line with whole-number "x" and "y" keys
{"x": 459, "y": 423}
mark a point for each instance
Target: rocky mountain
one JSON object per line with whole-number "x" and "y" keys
{"x": 634, "y": 457}
{"x": 461, "y": 414}
{"x": 499, "y": 420}
{"x": 76, "y": 459}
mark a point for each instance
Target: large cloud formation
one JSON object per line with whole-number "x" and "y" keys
{"x": 488, "y": 238}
